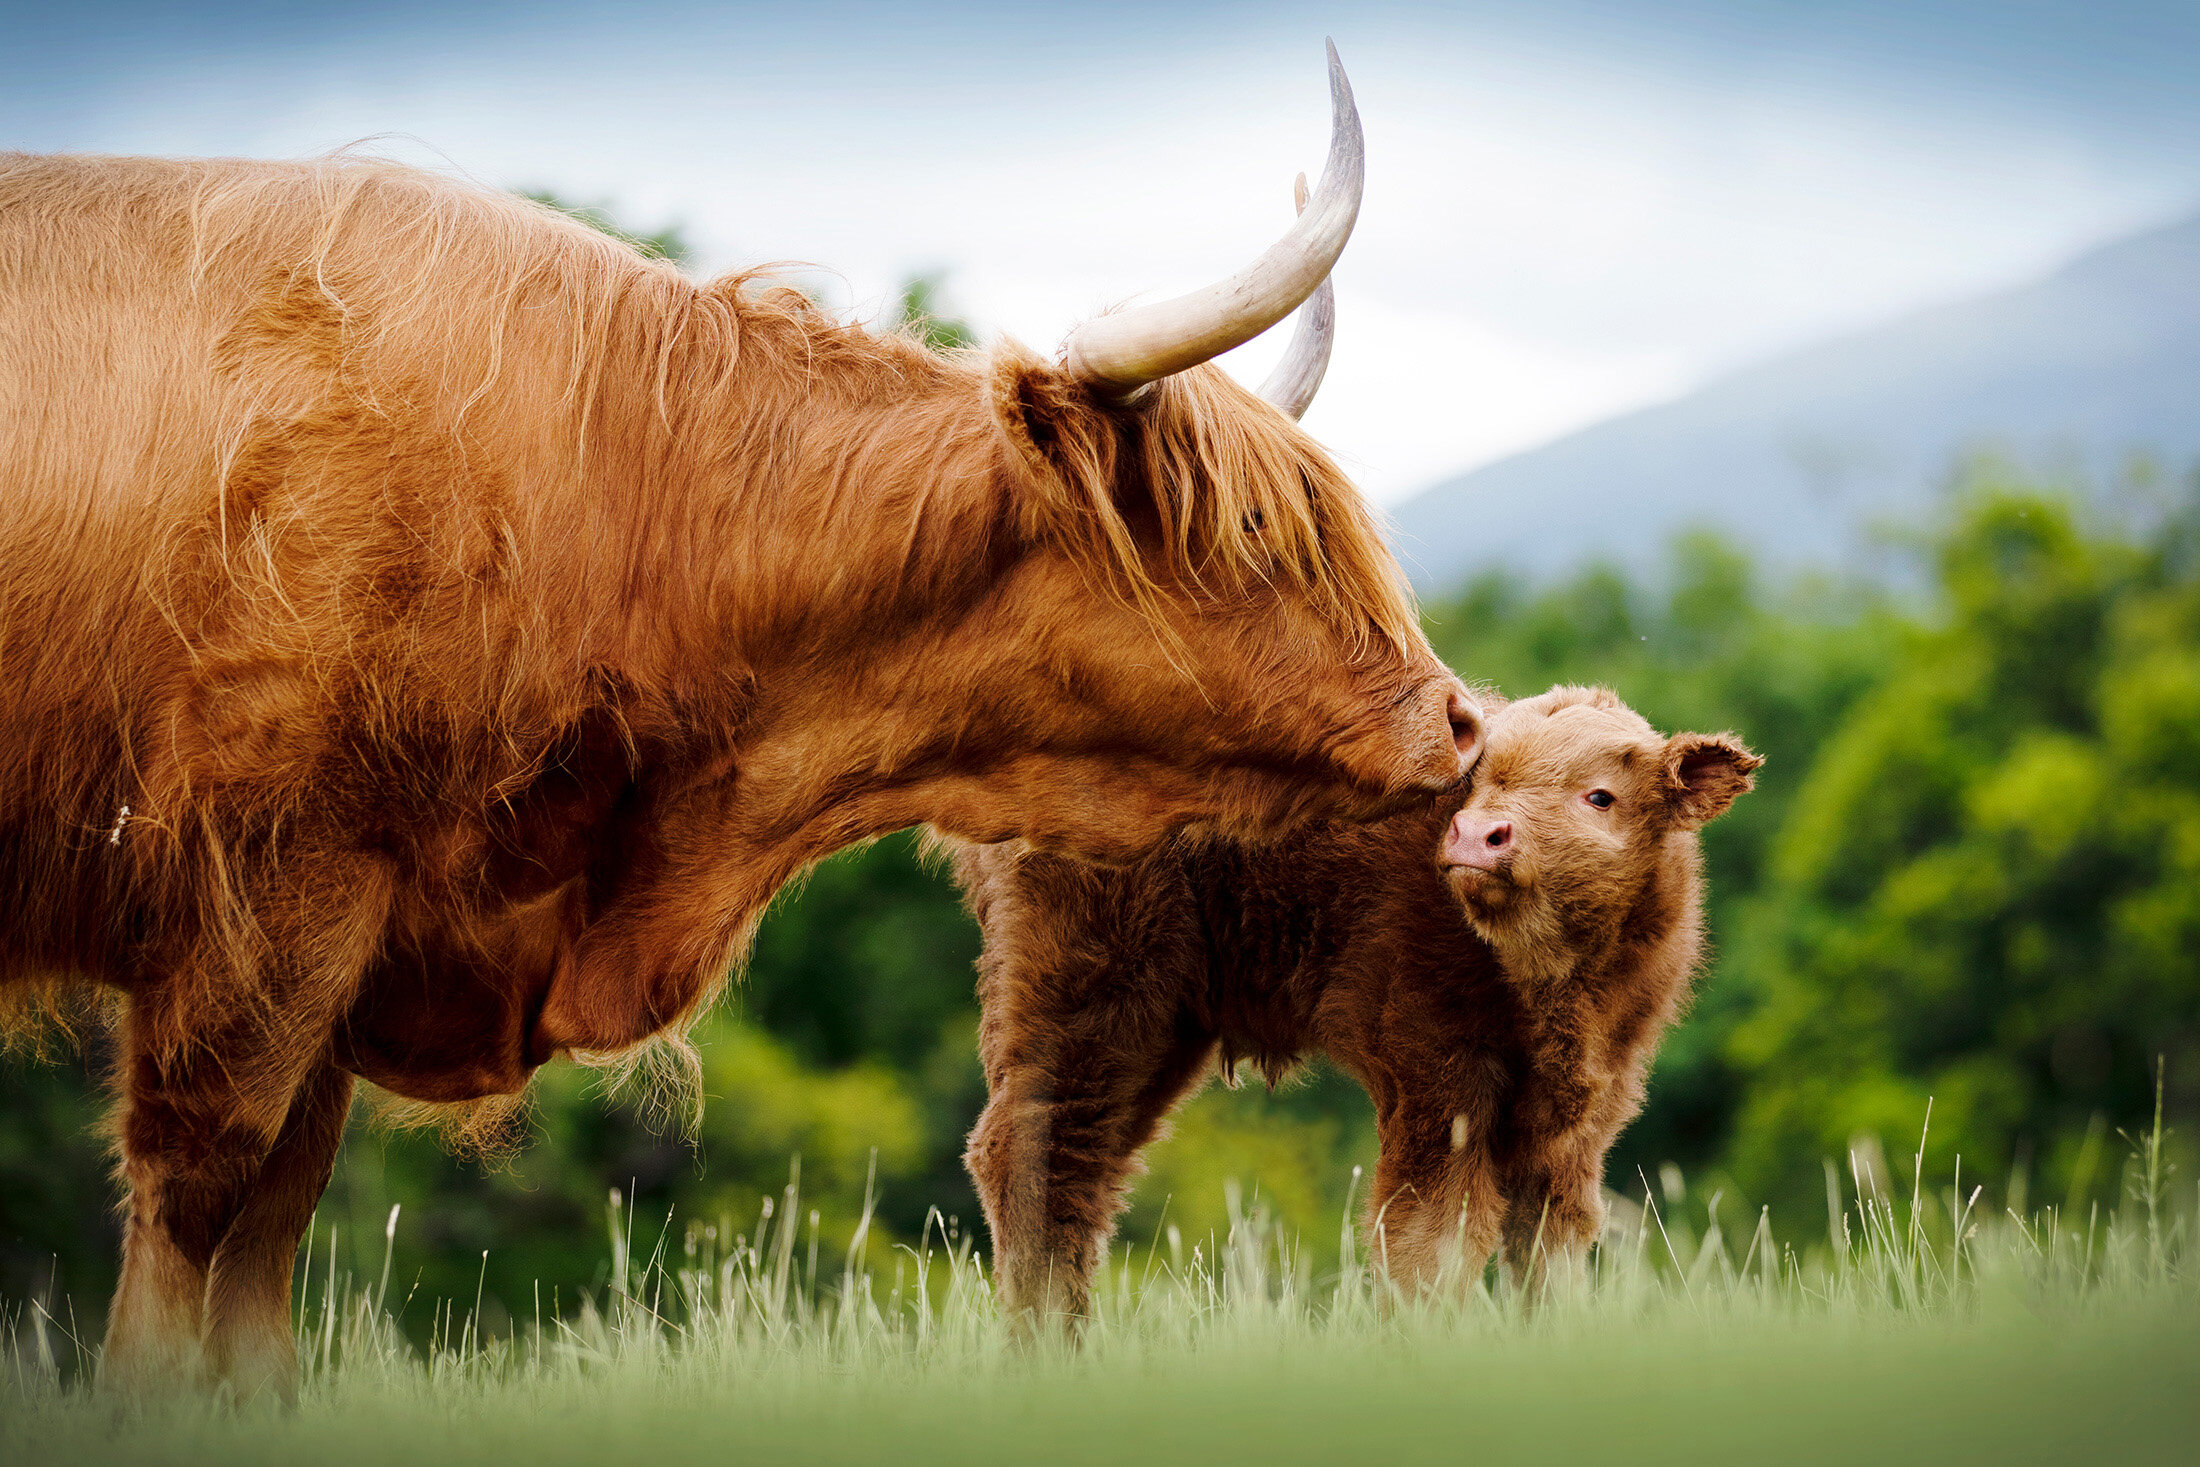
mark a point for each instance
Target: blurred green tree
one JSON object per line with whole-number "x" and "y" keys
{"x": 59, "y": 1233}
{"x": 667, "y": 243}
{"x": 1988, "y": 888}
{"x": 920, "y": 311}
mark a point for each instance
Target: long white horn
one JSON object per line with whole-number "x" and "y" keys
{"x": 1121, "y": 353}
{"x": 1291, "y": 387}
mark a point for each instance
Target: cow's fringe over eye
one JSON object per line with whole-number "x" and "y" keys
{"x": 1216, "y": 458}
{"x": 1195, "y": 462}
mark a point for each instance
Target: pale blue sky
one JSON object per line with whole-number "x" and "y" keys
{"x": 1573, "y": 207}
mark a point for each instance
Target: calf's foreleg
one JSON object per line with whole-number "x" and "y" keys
{"x": 1436, "y": 1211}
{"x": 1557, "y": 1211}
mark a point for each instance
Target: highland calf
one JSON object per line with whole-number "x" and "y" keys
{"x": 1495, "y": 967}
{"x": 430, "y": 632}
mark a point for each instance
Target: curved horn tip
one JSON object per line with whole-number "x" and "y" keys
{"x": 1290, "y": 388}
{"x": 1122, "y": 352}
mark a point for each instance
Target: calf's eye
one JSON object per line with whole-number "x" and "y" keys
{"x": 1602, "y": 799}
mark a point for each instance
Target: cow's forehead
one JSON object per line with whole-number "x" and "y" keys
{"x": 1548, "y": 736}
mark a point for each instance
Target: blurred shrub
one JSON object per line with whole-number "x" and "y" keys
{"x": 1291, "y": 1151}
{"x": 1988, "y": 888}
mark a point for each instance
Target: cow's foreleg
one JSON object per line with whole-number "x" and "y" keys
{"x": 248, "y": 1335}
{"x": 213, "y": 1088}
{"x": 191, "y": 1144}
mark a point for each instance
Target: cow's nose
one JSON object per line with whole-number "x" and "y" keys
{"x": 1466, "y": 729}
{"x": 1476, "y": 844}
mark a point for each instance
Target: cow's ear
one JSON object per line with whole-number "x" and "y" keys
{"x": 1059, "y": 437}
{"x": 1704, "y": 774}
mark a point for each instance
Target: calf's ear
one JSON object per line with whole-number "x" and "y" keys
{"x": 1705, "y": 773}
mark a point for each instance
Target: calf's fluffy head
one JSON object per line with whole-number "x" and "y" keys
{"x": 1579, "y": 814}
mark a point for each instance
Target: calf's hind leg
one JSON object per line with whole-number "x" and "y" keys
{"x": 1074, "y": 1099}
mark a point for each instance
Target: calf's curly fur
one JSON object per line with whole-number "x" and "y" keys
{"x": 1502, "y": 1017}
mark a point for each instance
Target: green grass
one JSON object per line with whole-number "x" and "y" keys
{"x": 1922, "y": 1329}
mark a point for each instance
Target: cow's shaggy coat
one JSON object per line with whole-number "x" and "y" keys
{"x": 430, "y": 632}
{"x": 1502, "y": 1019}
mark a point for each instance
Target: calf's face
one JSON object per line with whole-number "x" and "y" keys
{"x": 1572, "y": 819}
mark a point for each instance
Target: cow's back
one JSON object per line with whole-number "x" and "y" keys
{"x": 287, "y": 453}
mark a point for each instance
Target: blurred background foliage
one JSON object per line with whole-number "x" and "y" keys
{"x": 1970, "y": 873}
{"x": 668, "y": 242}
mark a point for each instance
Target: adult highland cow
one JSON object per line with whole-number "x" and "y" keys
{"x": 432, "y": 632}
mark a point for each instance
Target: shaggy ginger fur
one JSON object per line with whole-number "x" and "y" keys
{"x": 1501, "y": 1020}
{"x": 432, "y": 632}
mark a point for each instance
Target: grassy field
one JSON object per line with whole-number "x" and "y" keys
{"x": 1922, "y": 1329}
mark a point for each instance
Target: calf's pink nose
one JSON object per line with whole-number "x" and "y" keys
{"x": 1477, "y": 844}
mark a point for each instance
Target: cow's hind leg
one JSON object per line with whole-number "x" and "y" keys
{"x": 248, "y": 1336}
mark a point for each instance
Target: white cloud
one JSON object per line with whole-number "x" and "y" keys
{"x": 1546, "y": 240}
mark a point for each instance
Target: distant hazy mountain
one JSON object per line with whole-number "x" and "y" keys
{"x": 1798, "y": 456}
